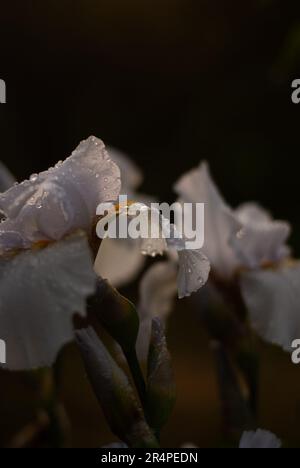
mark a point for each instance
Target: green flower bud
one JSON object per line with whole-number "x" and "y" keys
{"x": 117, "y": 315}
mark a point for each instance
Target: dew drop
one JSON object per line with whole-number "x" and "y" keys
{"x": 33, "y": 177}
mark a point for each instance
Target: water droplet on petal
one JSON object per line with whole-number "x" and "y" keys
{"x": 33, "y": 177}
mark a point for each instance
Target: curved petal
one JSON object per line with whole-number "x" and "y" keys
{"x": 194, "y": 269}
{"x": 259, "y": 440}
{"x": 197, "y": 186}
{"x": 119, "y": 261}
{"x": 157, "y": 293}
{"x": 62, "y": 199}
{"x": 40, "y": 291}
{"x": 261, "y": 240}
{"x": 7, "y": 180}
{"x": 272, "y": 298}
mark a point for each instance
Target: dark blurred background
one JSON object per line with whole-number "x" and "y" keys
{"x": 170, "y": 82}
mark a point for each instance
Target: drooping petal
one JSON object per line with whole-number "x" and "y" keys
{"x": 197, "y": 186}
{"x": 272, "y": 298}
{"x": 194, "y": 269}
{"x": 261, "y": 239}
{"x": 119, "y": 261}
{"x": 259, "y": 440}
{"x": 157, "y": 293}
{"x": 7, "y": 180}
{"x": 40, "y": 290}
{"x": 61, "y": 200}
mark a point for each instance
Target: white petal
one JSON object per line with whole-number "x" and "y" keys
{"x": 259, "y": 440}
{"x": 7, "y": 180}
{"x": 194, "y": 269}
{"x": 197, "y": 186}
{"x": 157, "y": 290}
{"x": 272, "y": 298}
{"x": 119, "y": 261}
{"x": 40, "y": 291}
{"x": 261, "y": 240}
{"x": 157, "y": 293}
{"x": 63, "y": 199}
{"x": 131, "y": 175}
{"x": 252, "y": 213}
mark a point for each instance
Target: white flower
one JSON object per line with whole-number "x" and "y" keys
{"x": 272, "y": 297}
{"x": 246, "y": 237}
{"x": 248, "y": 242}
{"x": 46, "y": 267}
{"x": 260, "y": 240}
{"x": 193, "y": 265}
{"x": 120, "y": 260}
{"x": 40, "y": 292}
{"x": 219, "y": 221}
{"x": 57, "y": 202}
{"x": 259, "y": 440}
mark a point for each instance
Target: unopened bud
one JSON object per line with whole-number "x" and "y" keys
{"x": 117, "y": 315}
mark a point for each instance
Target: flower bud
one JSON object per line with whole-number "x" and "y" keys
{"x": 114, "y": 392}
{"x": 161, "y": 389}
{"x": 117, "y": 315}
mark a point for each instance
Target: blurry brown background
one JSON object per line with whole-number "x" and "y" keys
{"x": 170, "y": 82}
